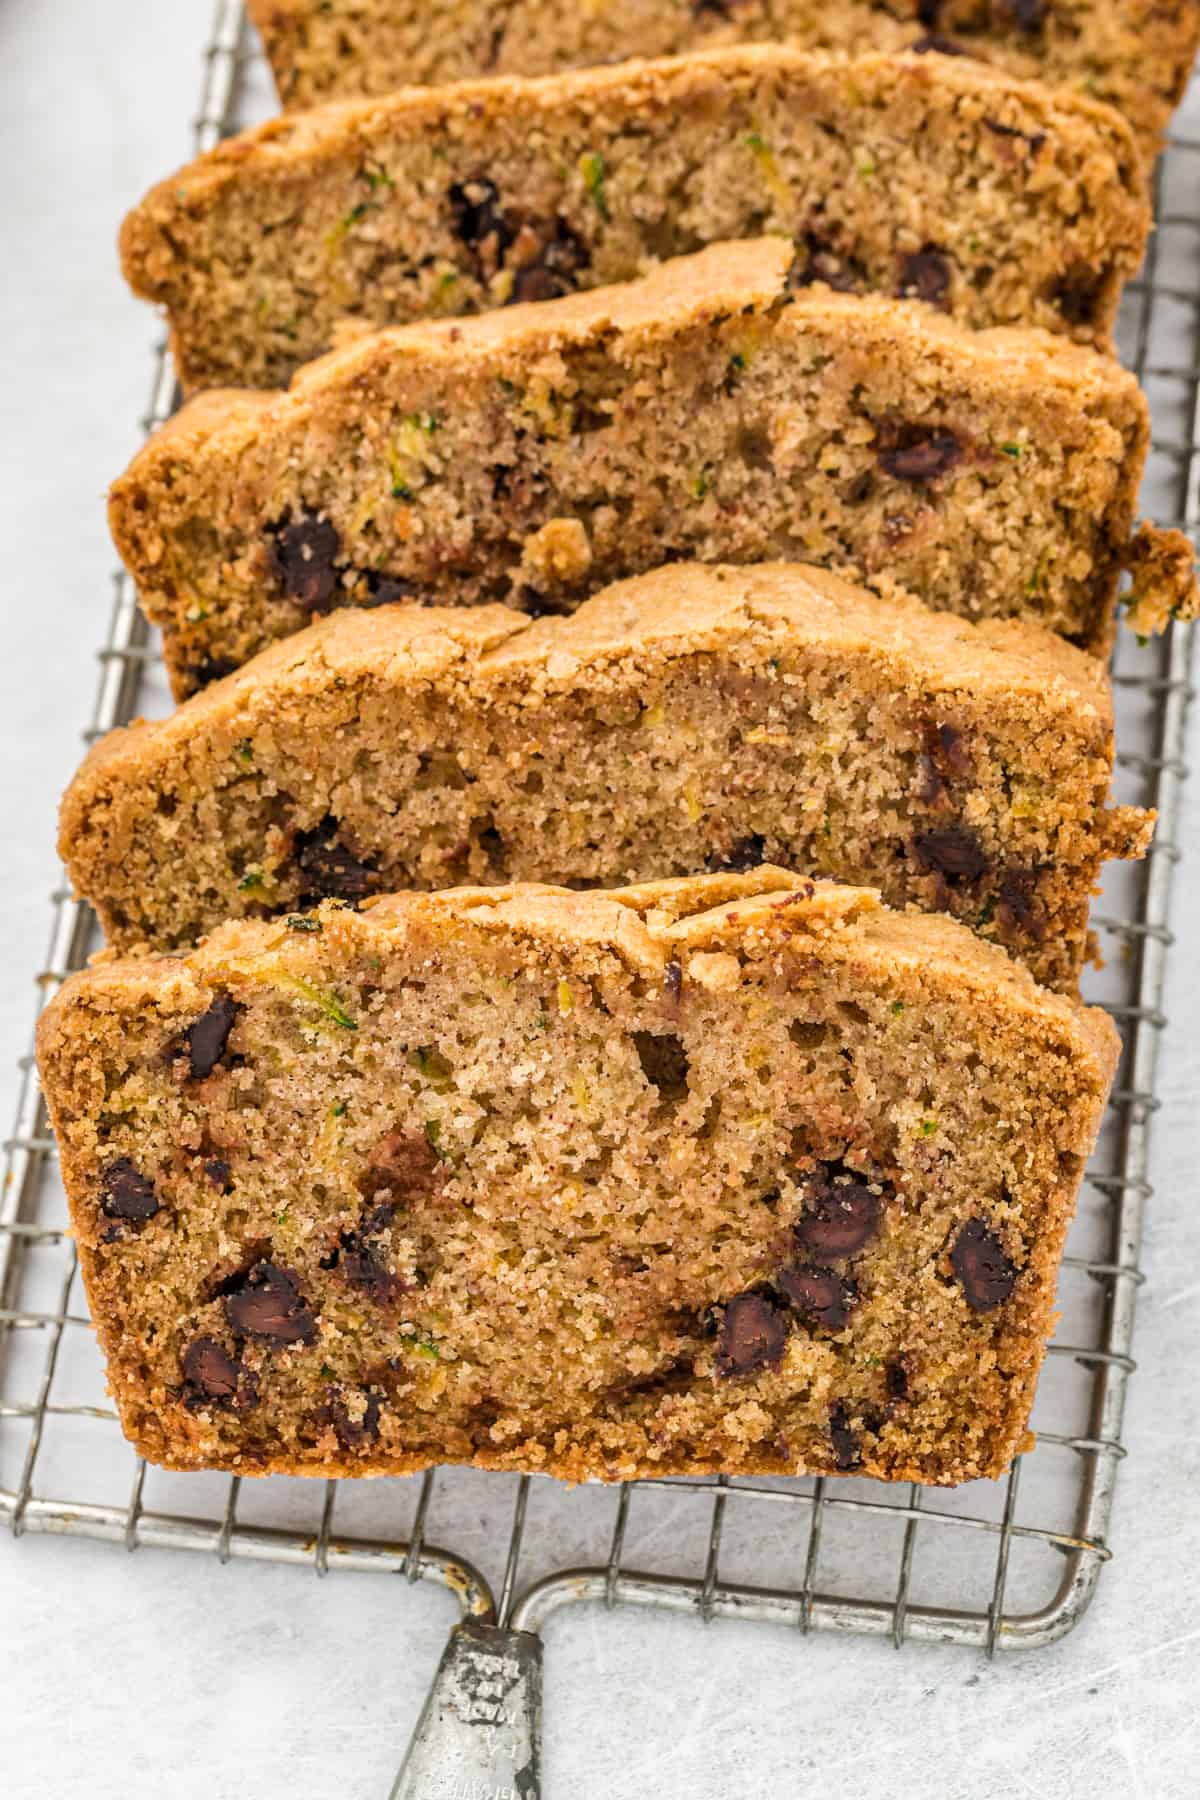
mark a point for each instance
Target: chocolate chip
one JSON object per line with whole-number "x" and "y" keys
{"x": 819, "y": 1295}
{"x": 480, "y": 222}
{"x": 843, "y": 1217}
{"x": 928, "y": 13}
{"x": 985, "y": 1272}
{"x": 362, "y": 1257}
{"x": 926, "y": 275}
{"x": 746, "y": 853}
{"x": 268, "y": 1304}
{"x": 1028, "y": 14}
{"x": 329, "y": 869}
{"x": 953, "y": 852}
{"x": 404, "y": 1166}
{"x": 553, "y": 271}
{"x": 217, "y": 1171}
{"x": 353, "y": 1433}
{"x": 847, "y": 1449}
{"x": 1077, "y": 293}
{"x": 304, "y": 555}
{"x": 211, "y": 1377}
{"x": 819, "y": 260}
{"x": 919, "y": 453}
{"x": 752, "y": 1337}
{"x": 1019, "y": 906}
{"x": 895, "y": 1377}
{"x": 673, "y": 979}
{"x": 1034, "y": 139}
{"x": 209, "y": 668}
{"x": 385, "y": 590}
{"x": 125, "y": 1193}
{"x": 934, "y": 42}
{"x": 207, "y": 1038}
{"x": 664, "y": 1063}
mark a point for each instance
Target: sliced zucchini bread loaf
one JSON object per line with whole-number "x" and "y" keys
{"x": 695, "y": 717}
{"x": 1135, "y": 54}
{"x": 730, "y": 1173}
{"x": 1019, "y": 206}
{"x": 537, "y": 453}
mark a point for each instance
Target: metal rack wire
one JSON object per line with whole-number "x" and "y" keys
{"x": 998, "y": 1565}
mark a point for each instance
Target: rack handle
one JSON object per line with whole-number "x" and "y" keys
{"x": 479, "y": 1736}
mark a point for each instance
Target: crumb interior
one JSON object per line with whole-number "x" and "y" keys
{"x": 1018, "y": 209}
{"x": 776, "y": 1210}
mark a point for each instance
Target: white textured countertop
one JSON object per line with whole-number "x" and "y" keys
{"x": 138, "y": 1676}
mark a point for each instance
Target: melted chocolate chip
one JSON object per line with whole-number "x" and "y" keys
{"x": 673, "y": 979}
{"x": 1028, "y": 14}
{"x": 953, "y": 852}
{"x": 362, "y": 1255}
{"x": 928, "y": 13}
{"x": 819, "y": 1295}
{"x": 984, "y": 1271}
{"x": 211, "y": 1377}
{"x": 934, "y": 43}
{"x": 554, "y": 270}
{"x": 926, "y": 275}
{"x": 304, "y": 556}
{"x": 895, "y": 1377}
{"x": 818, "y": 260}
{"x": 847, "y": 1449}
{"x": 125, "y": 1193}
{"x": 354, "y": 1433}
{"x": 480, "y": 222}
{"x": 1019, "y": 906}
{"x": 217, "y": 1171}
{"x": 1077, "y": 293}
{"x": 328, "y": 868}
{"x": 404, "y": 1166}
{"x": 746, "y": 853}
{"x": 385, "y": 590}
{"x": 920, "y": 454}
{"x": 842, "y": 1219}
{"x": 752, "y": 1336}
{"x": 207, "y": 1038}
{"x": 209, "y": 668}
{"x": 268, "y": 1304}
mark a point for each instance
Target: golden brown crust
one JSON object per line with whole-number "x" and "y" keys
{"x": 240, "y": 1337}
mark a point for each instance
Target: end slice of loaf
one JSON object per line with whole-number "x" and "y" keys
{"x": 1134, "y": 54}
{"x": 723, "y": 1174}
{"x": 536, "y": 453}
{"x": 694, "y": 717}
{"x": 1021, "y": 206}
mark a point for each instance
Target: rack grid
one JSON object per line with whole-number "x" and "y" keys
{"x": 997, "y": 1565}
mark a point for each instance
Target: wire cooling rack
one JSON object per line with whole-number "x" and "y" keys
{"x": 995, "y": 1565}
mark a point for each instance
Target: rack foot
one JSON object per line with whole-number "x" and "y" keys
{"x": 480, "y": 1734}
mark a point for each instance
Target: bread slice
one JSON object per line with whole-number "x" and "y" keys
{"x": 537, "y": 453}
{"x": 1134, "y": 54}
{"x": 695, "y": 717}
{"x": 1021, "y": 207}
{"x": 722, "y": 1174}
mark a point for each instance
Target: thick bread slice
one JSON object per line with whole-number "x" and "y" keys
{"x": 692, "y": 717}
{"x": 728, "y": 1174}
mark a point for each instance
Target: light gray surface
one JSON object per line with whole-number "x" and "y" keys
{"x": 135, "y": 1676}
